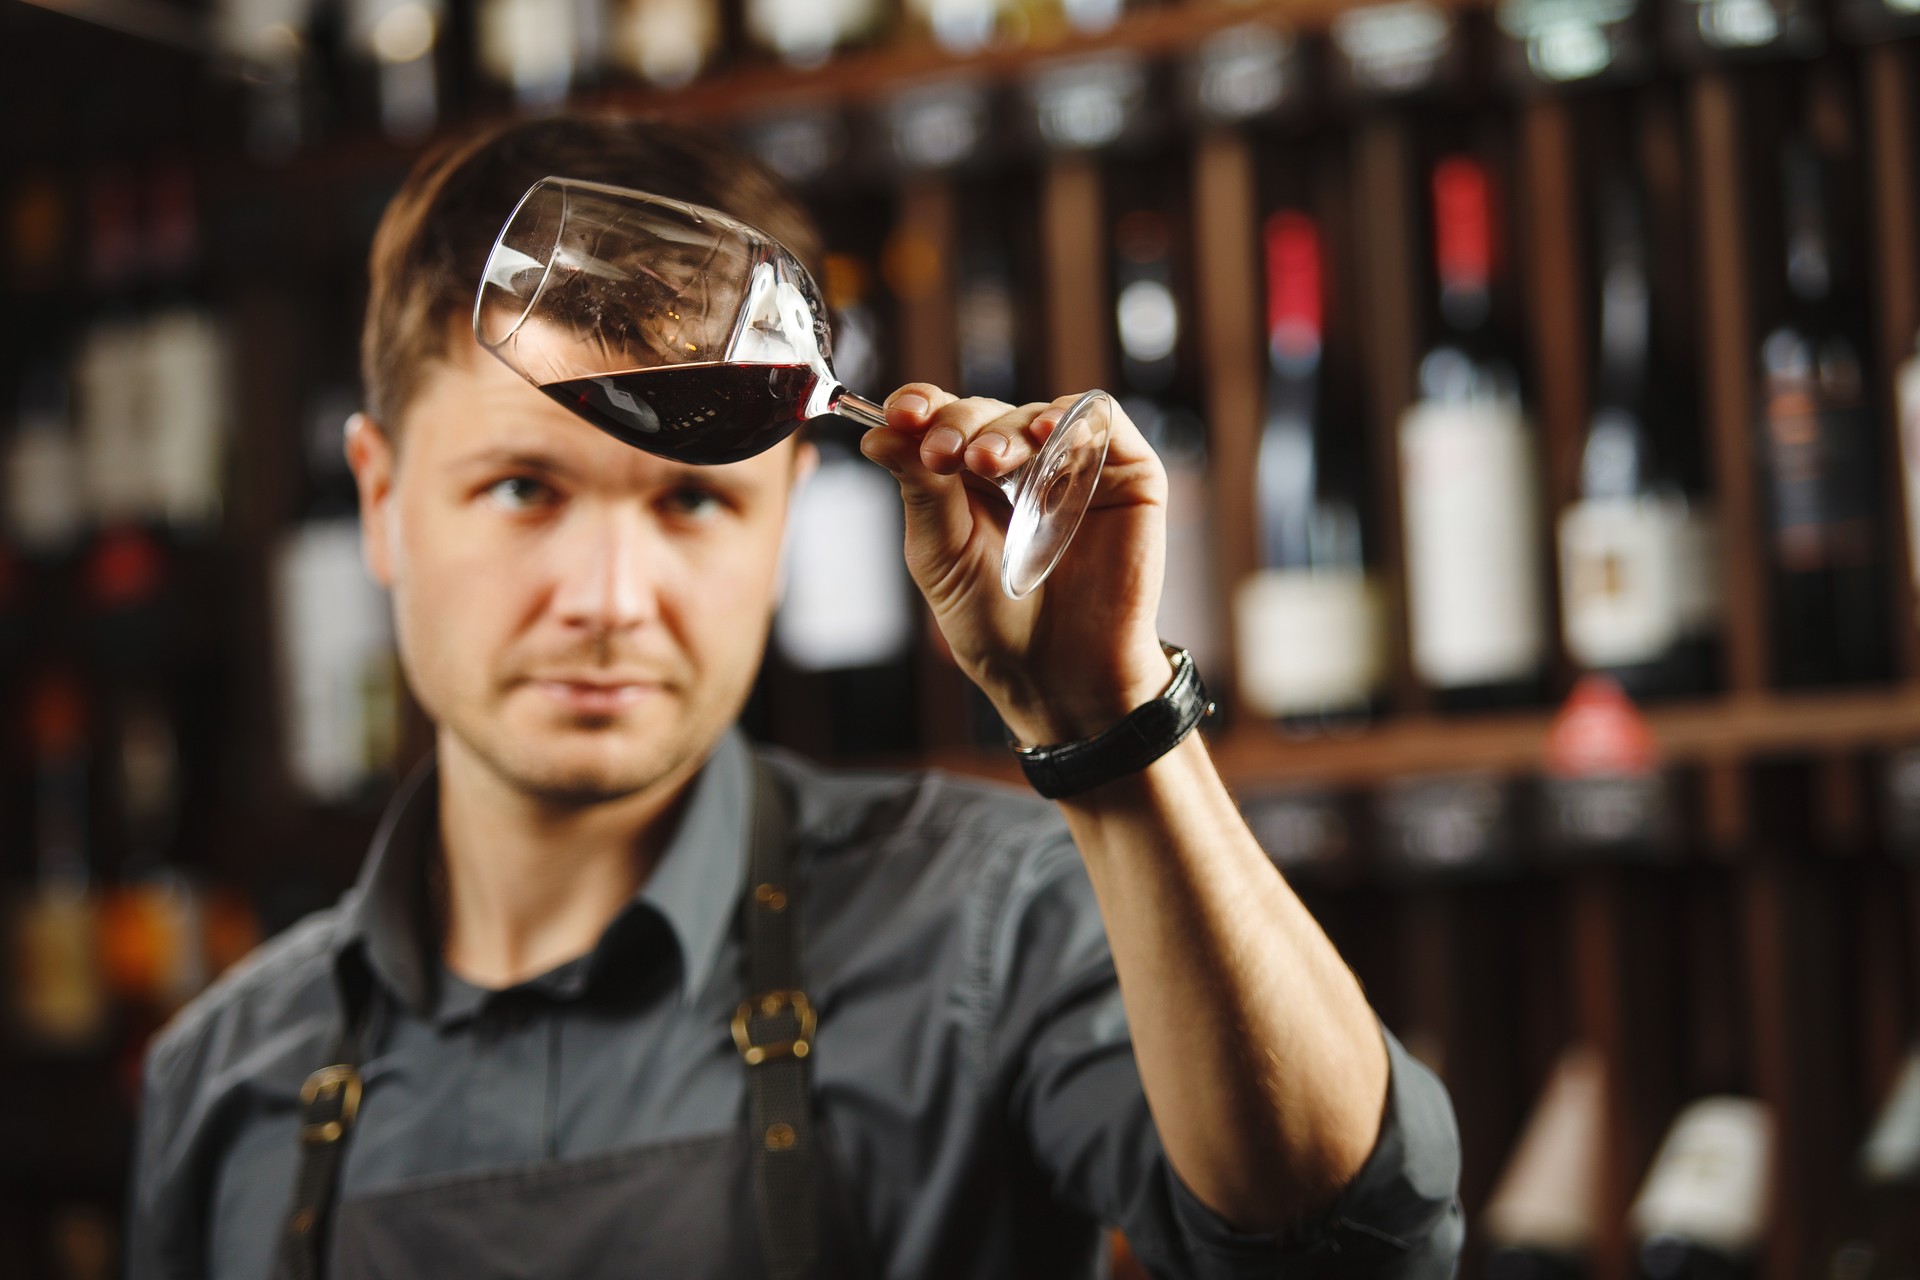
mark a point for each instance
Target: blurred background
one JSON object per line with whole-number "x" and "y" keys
{"x": 1535, "y": 380}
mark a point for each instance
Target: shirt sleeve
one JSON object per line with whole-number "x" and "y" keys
{"x": 1075, "y": 1092}
{"x": 161, "y": 1215}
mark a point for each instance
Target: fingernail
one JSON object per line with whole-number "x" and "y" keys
{"x": 913, "y": 403}
{"x": 993, "y": 442}
{"x": 943, "y": 439}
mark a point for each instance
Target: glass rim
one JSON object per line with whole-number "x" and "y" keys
{"x": 546, "y": 267}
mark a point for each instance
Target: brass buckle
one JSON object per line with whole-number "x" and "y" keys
{"x": 329, "y": 1081}
{"x": 766, "y": 1005}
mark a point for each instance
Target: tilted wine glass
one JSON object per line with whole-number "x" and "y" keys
{"x": 689, "y": 334}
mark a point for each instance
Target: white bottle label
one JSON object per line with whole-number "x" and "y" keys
{"x": 1308, "y": 641}
{"x": 1187, "y": 598}
{"x": 1701, "y": 591}
{"x": 1619, "y": 580}
{"x": 336, "y": 656}
{"x": 530, "y": 45}
{"x": 848, "y": 599}
{"x": 186, "y": 383}
{"x": 1909, "y": 397}
{"x": 1709, "y": 1180}
{"x": 1473, "y": 556}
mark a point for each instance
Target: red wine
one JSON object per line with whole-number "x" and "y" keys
{"x": 699, "y": 413}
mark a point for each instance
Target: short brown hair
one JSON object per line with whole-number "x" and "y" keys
{"x": 434, "y": 236}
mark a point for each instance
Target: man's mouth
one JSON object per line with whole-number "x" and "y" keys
{"x": 595, "y": 697}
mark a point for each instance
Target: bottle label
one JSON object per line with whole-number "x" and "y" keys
{"x": 1620, "y": 580}
{"x": 1815, "y": 450}
{"x": 1909, "y": 410}
{"x": 1308, "y": 642}
{"x": 1709, "y": 1181}
{"x": 1446, "y": 824}
{"x": 1699, "y": 589}
{"x": 848, "y": 601}
{"x": 1473, "y": 568}
{"x": 1300, "y": 829}
{"x": 1187, "y": 598}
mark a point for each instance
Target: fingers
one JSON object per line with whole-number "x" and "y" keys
{"x": 986, "y": 437}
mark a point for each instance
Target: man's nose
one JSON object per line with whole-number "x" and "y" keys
{"x": 607, "y": 571}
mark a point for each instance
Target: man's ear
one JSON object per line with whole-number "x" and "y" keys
{"x": 806, "y": 460}
{"x": 370, "y": 454}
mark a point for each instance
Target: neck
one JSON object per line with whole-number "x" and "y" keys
{"x": 530, "y": 884}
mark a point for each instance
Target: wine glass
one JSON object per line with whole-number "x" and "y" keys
{"x": 689, "y": 334}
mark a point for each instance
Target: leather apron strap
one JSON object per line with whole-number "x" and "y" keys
{"x": 773, "y": 1028}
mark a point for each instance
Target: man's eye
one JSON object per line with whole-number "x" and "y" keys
{"x": 691, "y": 500}
{"x": 519, "y": 493}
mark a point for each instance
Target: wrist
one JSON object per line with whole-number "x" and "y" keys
{"x": 1086, "y": 702}
{"x": 1156, "y": 726}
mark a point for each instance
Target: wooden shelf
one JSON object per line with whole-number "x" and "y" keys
{"x": 866, "y": 76}
{"x": 1712, "y": 731}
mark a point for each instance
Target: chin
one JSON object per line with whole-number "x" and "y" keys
{"x": 579, "y": 767}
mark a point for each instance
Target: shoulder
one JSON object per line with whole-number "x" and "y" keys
{"x": 847, "y": 806}
{"x": 283, "y": 988}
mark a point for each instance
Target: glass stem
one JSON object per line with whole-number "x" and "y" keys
{"x": 856, "y": 408}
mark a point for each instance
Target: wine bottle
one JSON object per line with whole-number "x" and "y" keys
{"x": 1883, "y": 1239}
{"x": 531, "y": 47}
{"x": 398, "y": 41}
{"x": 1155, "y": 390}
{"x": 59, "y": 1000}
{"x": 1816, "y": 453}
{"x": 806, "y": 35}
{"x": 1907, "y": 391}
{"x": 1624, "y": 586}
{"x": 1468, "y": 473}
{"x": 666, "y": 43}
{"x": 1545, "y": 1210}
{"x": 1702, "y": 1211}
{"x": 1308, "y": 625}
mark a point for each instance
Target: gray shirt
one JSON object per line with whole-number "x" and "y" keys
{"x": 972, "y": 1068}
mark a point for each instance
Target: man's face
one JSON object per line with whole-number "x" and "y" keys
{"x": 583, "y": 618}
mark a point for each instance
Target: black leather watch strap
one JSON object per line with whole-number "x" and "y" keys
{"x": 1147, "y": 733}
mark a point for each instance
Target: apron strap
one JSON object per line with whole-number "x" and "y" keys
{"x": 773, "y": 1029}
{"x": 329, "y": 1104}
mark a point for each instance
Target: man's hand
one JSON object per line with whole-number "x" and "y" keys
{"x": 1079, "y": 653}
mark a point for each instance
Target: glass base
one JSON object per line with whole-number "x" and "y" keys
{"x": 1052, "y": 493}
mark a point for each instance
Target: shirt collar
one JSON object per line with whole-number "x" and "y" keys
{"x": 386, "y": 921}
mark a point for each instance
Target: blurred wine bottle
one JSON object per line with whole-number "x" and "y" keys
{"x": 1701, "y": 1213}
{"x": 1157, "y": 389}
{"x": 269, "y": 39}
{"x": 807, "y": 35}
{"x": 1308, "y": 626}
{"x": 1545, "y": 1210}
{"x": 398, "y": 43}
{"x": 1627, "y": 585}
{"x": 1882, "y": 1239}
{"x": 532, "y": 48}
{"x": 59, "y": 1001}
{"x": 1469, "y": 480}
{"x": 666, "y": 43}
{"x": 847, "y": 615}
{"x": 1816, "y": 450}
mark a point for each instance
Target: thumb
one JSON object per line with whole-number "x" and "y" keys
{"x": 939, "y": 519}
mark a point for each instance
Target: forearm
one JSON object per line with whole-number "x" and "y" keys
{"x": 1261, "y": 1060}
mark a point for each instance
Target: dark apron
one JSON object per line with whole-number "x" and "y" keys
{"x": 757, "y": 1202}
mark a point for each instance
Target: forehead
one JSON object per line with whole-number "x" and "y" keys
{"x": 471, "y": 410}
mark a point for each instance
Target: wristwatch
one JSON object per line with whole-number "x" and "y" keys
{"x": 1147, "y": 733}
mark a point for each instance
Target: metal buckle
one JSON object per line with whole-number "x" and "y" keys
{"x": 767, "y": 1004}
{"x": 343, "y": 1081}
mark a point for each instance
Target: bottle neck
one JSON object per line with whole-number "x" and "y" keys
{"x": 1463, "y": 244}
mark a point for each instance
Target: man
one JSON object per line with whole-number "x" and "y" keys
{"x": 561, "y": 1028}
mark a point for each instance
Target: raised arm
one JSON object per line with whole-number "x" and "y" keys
{"x": 1262, "y": 1063}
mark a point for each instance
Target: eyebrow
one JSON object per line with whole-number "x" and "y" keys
{"x": 531, "y": 459}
